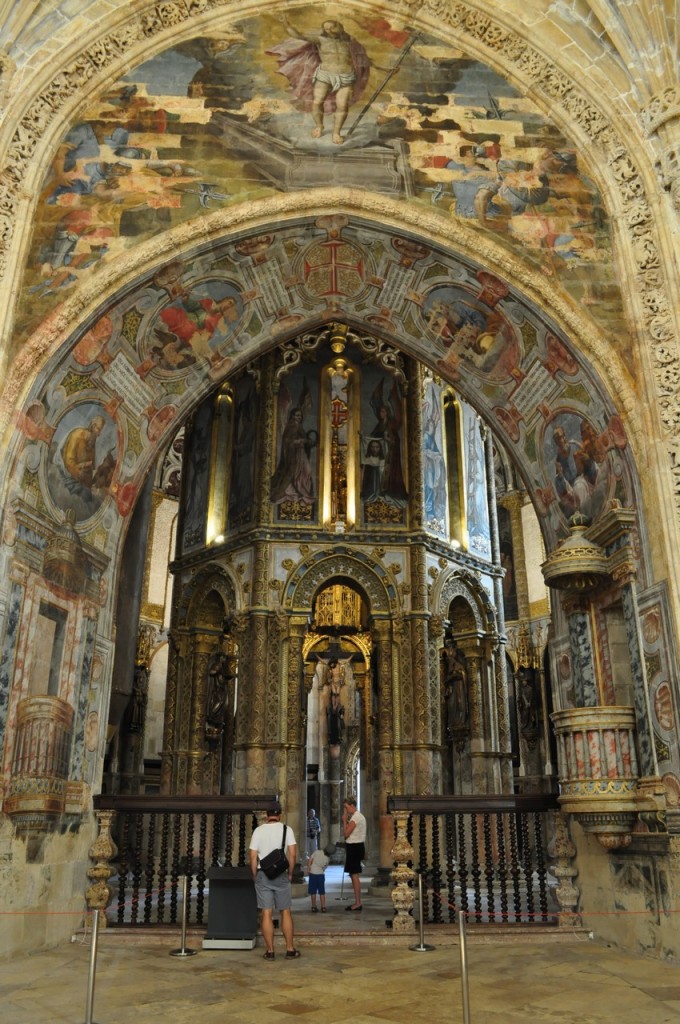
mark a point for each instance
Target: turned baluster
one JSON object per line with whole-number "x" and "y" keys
{"x": 501, "y": 820}
{"x": 489, "y": 867}
{"x": 150, "y": 862}
{"x": 137, "y": 867}
{"x": 527, "y": 864}
{"x": 163, "y": 867}
{"x": 475, "y": 869}
{"x": 540, "y": 868}
{"x": 189, "y": 863}
{"x": 123, "y": 866}
{"x": 450, "y": 836}
{"x": 423, "y": 864}
{"x": 201, "y": 874}
{"x": 175, "y": 866}
{"x": 436, "y": 873}
{"x": 514, "y": 869}
{"x": 462, "y": 866}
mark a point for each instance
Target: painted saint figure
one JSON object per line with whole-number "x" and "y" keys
{"x": 330, "y": 66}
{"x": 293, "y": 477}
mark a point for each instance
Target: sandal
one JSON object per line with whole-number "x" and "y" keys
{"x": 269, "y": 955}
{"x": 323, "y": 910}
{"x": 292, "y": 954}
{"x": 315, "y": 910}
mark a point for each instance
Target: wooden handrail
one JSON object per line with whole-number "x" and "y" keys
{"x": 491, "y": 803}
{"x": 184, "y": 804}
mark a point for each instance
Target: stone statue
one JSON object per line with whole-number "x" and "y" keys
{"x": 526, "y": 701}
{"x": 455, "y": 688}
{"x": 217, "y": 696}
{"x": 139, "y": 699}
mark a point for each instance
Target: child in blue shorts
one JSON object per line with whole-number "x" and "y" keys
{"x": 317, "y": 863}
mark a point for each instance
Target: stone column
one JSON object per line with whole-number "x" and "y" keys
{"x": 389, "y": 777}
{"x": 478, "y": 738}
{"x": 169, "y": 754}
{"x": 296, "y": 804}
{"x": 582, "y": 644}
{"x": 499, "y": 670}
{"x": 514, "y": 503}
{"x": 203, "y": 648}
{"x": 624, "y": 575}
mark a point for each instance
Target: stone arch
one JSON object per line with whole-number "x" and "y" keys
{"x": 463, "y": 584}
{"x": 211, "y": 579}
{"x": 314, "y": 571}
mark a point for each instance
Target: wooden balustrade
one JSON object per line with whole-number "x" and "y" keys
{"x": 485, "y": 856}
{"x": 160, "y": 839}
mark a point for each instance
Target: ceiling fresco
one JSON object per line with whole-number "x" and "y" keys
{"x": 127, "y": 381}
{"x": 323, "y": 98}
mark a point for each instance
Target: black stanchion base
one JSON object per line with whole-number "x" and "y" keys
{"x": 183, "y": 952}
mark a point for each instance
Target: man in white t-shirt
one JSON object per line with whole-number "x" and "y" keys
{"x": 274, "y": 893}
{"x": 354, "y": 830}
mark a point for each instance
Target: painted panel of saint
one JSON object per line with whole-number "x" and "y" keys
{"x": 383, "y": 485}
{"x": 434, "y": 465}
{"x": 294, "y": 483}
{"x": 82, "y": 459}
{"x": 479, "y": 531}
{"x": 196, "y": 483}
{"x": 246, "y": 411}
{"x": 583, "y": 463}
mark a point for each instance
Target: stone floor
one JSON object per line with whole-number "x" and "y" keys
{"x": 352, "y": 969}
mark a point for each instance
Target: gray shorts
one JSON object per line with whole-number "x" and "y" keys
{"x": 272, "y": 893}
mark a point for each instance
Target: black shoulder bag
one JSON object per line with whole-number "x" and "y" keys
{"x": 276, "y": 862}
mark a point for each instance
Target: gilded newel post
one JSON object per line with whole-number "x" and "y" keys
{"x": 403, "y": 894}
{"x": 103, "y": 850}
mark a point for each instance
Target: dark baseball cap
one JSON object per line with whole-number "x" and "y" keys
{"x": 274, "y": 808}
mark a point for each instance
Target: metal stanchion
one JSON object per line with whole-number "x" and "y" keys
{"x": 93, "y": 967}
{"x": 342, "y": 897}
{"x": 422, "y": 946}
{"x": 184, "y": 951}
{"x": 463, "y": 968}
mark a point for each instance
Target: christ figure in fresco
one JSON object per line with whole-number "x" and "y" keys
{"x": 329, "y": 67}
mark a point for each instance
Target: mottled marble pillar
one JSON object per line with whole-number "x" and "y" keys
{"x": 582, "y": 644}
{"x": 624, "y": 575}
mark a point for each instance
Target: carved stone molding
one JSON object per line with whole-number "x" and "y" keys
{"x": 311, "y": 574}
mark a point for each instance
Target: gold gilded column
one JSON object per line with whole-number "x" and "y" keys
{"x": 389, "y": 767}
{"x": 204, "y": 646}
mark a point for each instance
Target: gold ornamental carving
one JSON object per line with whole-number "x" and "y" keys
{"x": 403, "y": 894}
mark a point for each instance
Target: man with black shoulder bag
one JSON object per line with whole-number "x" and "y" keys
{"x": 273, "y": 853}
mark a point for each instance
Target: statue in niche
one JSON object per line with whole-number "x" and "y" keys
{"x": 455, "y": 677}
{"x": 138, "y": 699}
{"x": 220, "y": 674}
{"x": 527, "y": 702}
{"x": 336, "y": 710}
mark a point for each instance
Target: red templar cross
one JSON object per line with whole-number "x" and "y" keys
{"x": 334, "y": 268}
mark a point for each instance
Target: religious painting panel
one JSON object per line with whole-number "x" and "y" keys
{"x": 252, "y": 109}
{"x": 196, "y": 482}
{"x": 81, "y": 459}
{"x": 582, "y": 463}
{"x": 476, "y": 503}
{"x": 294, "y": 483}
{"x": 383, "y": 491}
{"x": 243, "y": 452}
{"x": 435, "y": 489}
{"x": 507, "y": 563}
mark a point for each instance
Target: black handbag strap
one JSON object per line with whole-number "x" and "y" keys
{"x": 283, "y": 839}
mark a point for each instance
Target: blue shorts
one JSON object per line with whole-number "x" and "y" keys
{"x": 272, "y": 893}
{"x": 317, "y": 885}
